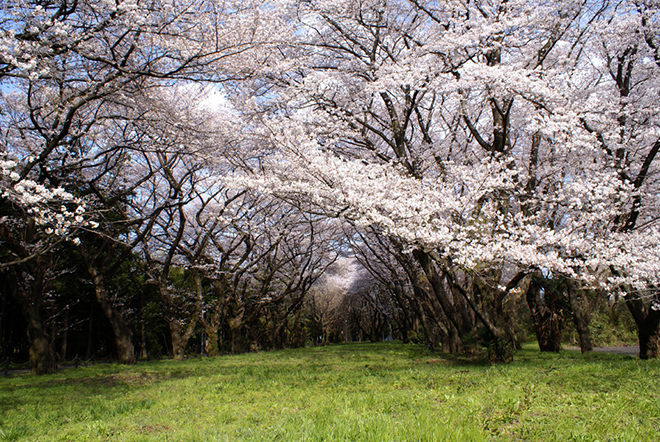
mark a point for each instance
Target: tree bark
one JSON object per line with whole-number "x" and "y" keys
{"x": 647, "y": 319}
{"x": 178, "y": 343}
{"x": 143, "y": 341}
{"x": 461, "y": 323}
{"x": 235, "y": 326}
{"x": 212, "y": 346}
{"x": 546, "y": 315}
{"x": 122, "y": 332}
{"x": 27, "y": 284}
{"x": 180, "y": 337}
{"x": 30, "y": 301}
{"x": 41, "y": 354}
{"x": 42, "y": 359}
{"x": 181, "y": 334}
{"x": 581, "y": 317}
{"x": 649, "y": 341}
{"x": 65, "y": 334}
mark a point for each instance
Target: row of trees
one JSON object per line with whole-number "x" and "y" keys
{"x": 474, "y": 154}
{"x": 494, "y": 147}
{"x": 108, "y": 186}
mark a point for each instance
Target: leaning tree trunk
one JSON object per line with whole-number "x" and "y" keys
{"x": 546, "y": 315}
{"x": 122, "y": 332}
{"x": 646, "y": 314}
{"x": 455, "y": 311}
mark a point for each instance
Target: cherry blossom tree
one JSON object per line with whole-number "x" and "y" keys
{"x": 623, "y": 117}
{"x": 475, "y": 135}
{"x": 67, "y": 69}
{"x": 35, "y": 220}
{"x": 260, "y": 260}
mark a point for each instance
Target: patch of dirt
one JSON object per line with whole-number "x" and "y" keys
{"x": 437, "y": 361}
{"x": 632, "y": 350}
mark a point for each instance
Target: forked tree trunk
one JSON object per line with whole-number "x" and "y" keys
{"x": 180, "y": 337}
{"x": 180, "y": 333}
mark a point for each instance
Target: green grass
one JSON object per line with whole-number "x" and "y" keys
{"x": 353, "y": 392}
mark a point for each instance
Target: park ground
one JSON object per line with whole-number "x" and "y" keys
{"x": 350, "y": 392}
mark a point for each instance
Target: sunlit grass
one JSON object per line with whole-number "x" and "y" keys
{"x": 353, "y": 392}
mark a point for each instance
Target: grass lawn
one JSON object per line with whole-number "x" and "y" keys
{"x": 352, "y": 392}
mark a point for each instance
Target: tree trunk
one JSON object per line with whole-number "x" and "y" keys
{"x": 143, "y": 341}
{"x": 546, "y": 315}
{"x": 235, "y": 326}
{"x": 647, "y": 319}
{"x": 180, "y": 339}
{"x": 212, "y": 329}
{"x": 181, "y": 334}
{"x": 649, "y": 342}
{"x": 581, "y": 317}
{"x": 41, "y": 355}
{"x": 123, "y": 334}
{"x": 30, "y": 300}
{"x": 457, "y": 315}
{"x": 3, "y": 350}
{"x": 178, "y": 343}
{"x": 42, "y": 359}
{"x": 90, "y": 335}
{"x": 65, "y": 334}
{"x": 212, "y": 346}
